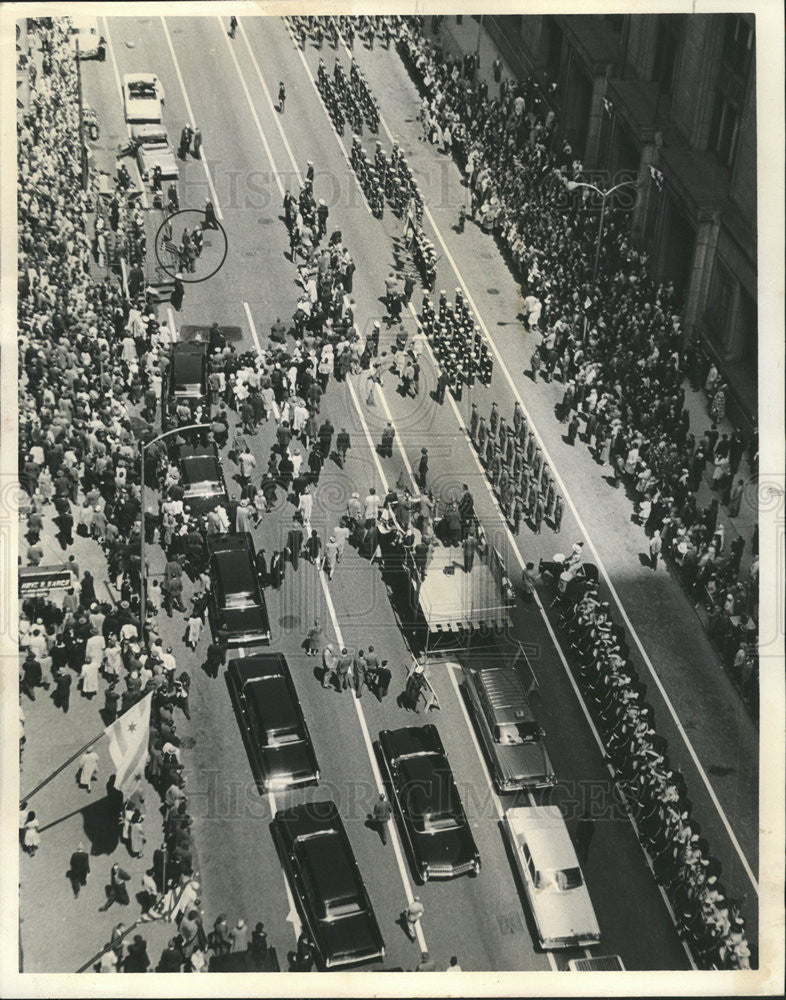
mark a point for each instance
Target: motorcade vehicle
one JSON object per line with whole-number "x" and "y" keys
{"x": 151, "y": 145}
{"x": 274, "y": 728}
{"x": 553, "y": 881}
{"x": 85, "y": 32}
{"x": 143, "y": 98}
{"x": 327, "y": 885}
{"x": 426, "y": 803}
{"x": 511, "y": 739}
{"x": 184, "y": 381}
{"x": 236, "y": 605}
{"x": 603, "y": 963}
{"x": 202, "y": 479}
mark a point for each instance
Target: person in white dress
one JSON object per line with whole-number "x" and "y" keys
{"x": 90, "y": 676}
{"x": 88, "y": 768}
{"x": 32, "y": 838}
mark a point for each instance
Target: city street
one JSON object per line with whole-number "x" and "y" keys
{"x": 251, "y": 155}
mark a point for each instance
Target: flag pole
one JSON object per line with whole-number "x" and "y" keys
{"x": 109, "y": 946}
{"x": 63, "y": 766}
{"x": 74, "y": 756}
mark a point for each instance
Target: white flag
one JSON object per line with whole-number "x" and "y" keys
{"x": 128, "y": 737}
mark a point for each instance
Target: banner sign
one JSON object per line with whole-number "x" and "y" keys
{"x": 35, "y": 581}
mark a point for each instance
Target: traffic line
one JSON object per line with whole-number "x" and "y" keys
{"x": 170, "y": 315}
{"x": 394, "y": 837}
{"x": 555, "y": 641}
{"x": 118, "y": 81}
{"x": 397, "y": 439}
{"x": 452, "y": 672}
{"x": 296, "y": 171}
{"x": 292, "y": 917}
{"x": 276, "y": 115}
{"x": 253, "y": 110}
{"x": 367, "y": 435}
{"x": 582, "y": 528}
{"x": 192, "y": 120}
{"x": 258, "y": 346}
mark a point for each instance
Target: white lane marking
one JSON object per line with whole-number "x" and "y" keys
{"x": 367, "y": 434}
{"x": 293, "y": 161}
{"x": 113, "y": 58}
{"x": 192, "y": 121}
{"x": 452, "y": 672}
{"x": 330, "y": 121}
{"x": 552, "y": 635}
{"x": 258, "y": 346}
{"x": 276, "y": 115}
{"x": 398, "y": 441}
{"x": 253, "y": 110}
{"x": 292, "y": 917}
{"x": 394, "y": 837}
{"x": 402, "y": 867}
{"x": 170, "y": 315}
{"x": 582, "y": 528}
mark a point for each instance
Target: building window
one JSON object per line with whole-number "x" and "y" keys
{"x": 737, "y": 44}
{"x": 554, "y": 48}
{"x": 748, "y": 348}
{"x": 725, "y": 129}
{"x": 666, "y": 47}
{"x": 720, "y": 304}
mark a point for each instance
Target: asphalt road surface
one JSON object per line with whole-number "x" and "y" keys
{"x": 252, "y": 154}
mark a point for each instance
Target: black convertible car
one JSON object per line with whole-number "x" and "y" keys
{"x": 428, "y": 807}
{"x": 327, "y": 884}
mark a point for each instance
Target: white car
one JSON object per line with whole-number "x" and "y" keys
{"x": 85, "y": 30}
{"x": 143, "y": 97}
{"x": 554, "y": 883}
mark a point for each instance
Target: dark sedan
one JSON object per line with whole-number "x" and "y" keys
{"x": 325, "y": 878}
{"x": 185, "y": 382}
{"x": 276, "y": 732}
{"x": 204, "y": 487}
{"x": 428, "y": 807}
{"x": 236, "y": 604}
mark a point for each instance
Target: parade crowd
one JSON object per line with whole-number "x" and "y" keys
{"x": 610, "y": 334}
{"x": 91, "y": 366}
{"x": 89, "y": 360}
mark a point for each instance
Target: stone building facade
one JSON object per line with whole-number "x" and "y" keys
{"x": 669, "y": 99}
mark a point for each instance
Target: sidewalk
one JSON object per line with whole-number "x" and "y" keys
{"x": 469, "y": 36}
{"x": 60, "y": 932}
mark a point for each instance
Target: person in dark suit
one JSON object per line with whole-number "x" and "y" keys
{"x": 295, "y": 544}
{"x": 423, "y": 469}
{"x": 442, "y": 384}
{"x": 277, "y": 570}
{"x": 585, "y": 831}
{"x": 383, "y": 678}
{"x": 469, "y": 553}
{"x": 79, "y": 868}
{"x": 116, "y": 890}
{"x": 466, "y": 508}
{"x": 62, "y": 692}
{"x": 177, "y": 292}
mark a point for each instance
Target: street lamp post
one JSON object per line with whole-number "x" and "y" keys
{"x": 143, "y": 446}
{"x": 572, "y": 185}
